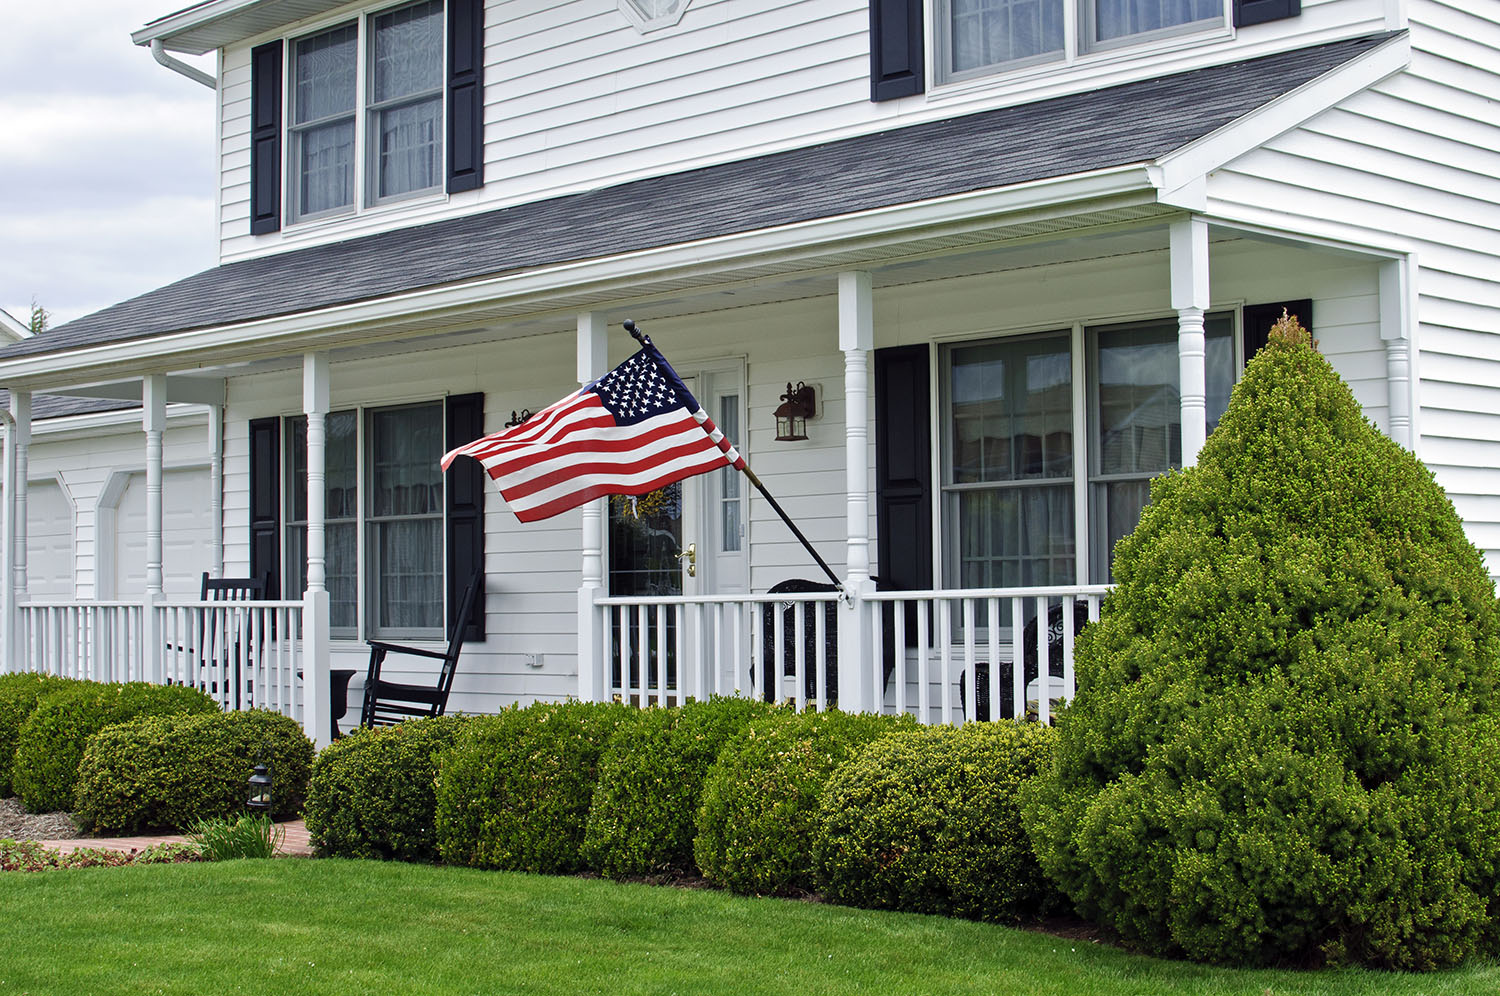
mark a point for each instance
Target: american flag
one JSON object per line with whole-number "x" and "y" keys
{"x": 634, "y": 430}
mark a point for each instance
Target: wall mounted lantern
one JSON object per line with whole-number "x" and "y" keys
{"x": 798, "y": 405}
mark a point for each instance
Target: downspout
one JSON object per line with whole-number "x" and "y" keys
{"x": 159, "y": 53}
{"x": 8, "y": 619}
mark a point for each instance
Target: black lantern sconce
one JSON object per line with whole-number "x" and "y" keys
{"x": 797, "y": 406}
{"x": 517, "y": 417}
{"x": 259, "y": 800}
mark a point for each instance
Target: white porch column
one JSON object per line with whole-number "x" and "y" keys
{"x": 216, "y": 485}
{"x": 1395, "y": 332}
{"x": 858, "y": 691}
{"x": 315, "y": 604}
{"x": 10, "y": 619}
{"x": 593, "y": 683}
{"x": 20, "y": 410}
{"x": 1189, "y": 263}
{"x": 153, "y": 420}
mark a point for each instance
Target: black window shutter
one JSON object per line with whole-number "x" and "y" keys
{"x": 1258, "y": 319}
{"x": 897, "y": 59}
{"x": 265, "y": 502}
{"x": 265, "y": 138}
{"x": 465, "y": 95}
{"x": 464, "y": 495}
{"x": 1248, "y": 12}
{"x": 903, "y": 468}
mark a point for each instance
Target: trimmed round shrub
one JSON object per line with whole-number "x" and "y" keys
{"x": 166, "y": 772}
{"x": 929, "y": 821}
{"x": 373, "y": 793}
{"x": 19, "y": 695}
{"x": 645, "y": 805}
{"x": 513, "y": 792}
{"x": 1284, "y": 746}
{"x": 52, "y": 739}
{"x": 759, "y": 820}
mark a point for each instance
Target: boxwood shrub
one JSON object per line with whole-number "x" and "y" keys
{"x": 52, "y": 739}
{"x": 514, "y": 790}
{"x": 645, "y": 806}
{"x": 759, "y": 819}
{"x": 165, "y": 772}
{"x": 929, "y": 821}
{"x": 373, "y": 793}
{"x": 19, "y": 695}
{"x": 1284, "y": 745}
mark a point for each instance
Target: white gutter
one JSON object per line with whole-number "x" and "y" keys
{"x": 8, "y": 620}
{"x": 159, "y": 53}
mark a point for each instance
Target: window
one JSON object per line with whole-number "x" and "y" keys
{"x": 1010, "y": 488}
{"x": 384, "y": 487}
{"x": 982, "y": 37}
{"x": 400, "y": 127}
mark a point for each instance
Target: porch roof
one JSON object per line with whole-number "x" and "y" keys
{"x": 1133, "y": 123}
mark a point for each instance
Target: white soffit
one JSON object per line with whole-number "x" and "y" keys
{"x": 207, "y": 26}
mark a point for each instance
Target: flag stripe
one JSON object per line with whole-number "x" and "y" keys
{"x": 530, "y": 484}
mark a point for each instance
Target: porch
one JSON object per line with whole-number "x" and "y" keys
{"x": 979, "y": 600}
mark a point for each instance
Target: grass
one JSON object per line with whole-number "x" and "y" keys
{"x": 349, "y": 927}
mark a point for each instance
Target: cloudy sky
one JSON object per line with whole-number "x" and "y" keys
{"x": 106, "y": 159}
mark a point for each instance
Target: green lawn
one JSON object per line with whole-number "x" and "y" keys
{"x": 295, "y": 926}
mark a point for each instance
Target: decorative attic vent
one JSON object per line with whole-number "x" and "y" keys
{"x": 651, "y": 15}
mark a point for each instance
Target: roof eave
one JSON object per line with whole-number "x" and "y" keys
{"x": 1074, "y": 193}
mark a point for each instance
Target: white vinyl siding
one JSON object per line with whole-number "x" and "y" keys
{"x": 1414, "y": 163}
{"x": 576, "y": 98}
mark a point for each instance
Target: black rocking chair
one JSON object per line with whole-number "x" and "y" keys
{"x": 387, "y": 702}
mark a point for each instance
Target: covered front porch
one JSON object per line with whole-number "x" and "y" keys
{"x": 990, "y": 403}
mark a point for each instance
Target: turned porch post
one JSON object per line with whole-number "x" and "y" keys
{"x": 1189, "y": 263}
{"x": 315, "y": 603}
{"x": 153, "y": 420}
{"x": 593, "y": 679}
{"x": 1396, "y": 333}
{"x": 858, "y": 689}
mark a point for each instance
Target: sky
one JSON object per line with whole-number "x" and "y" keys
{"x": 106, "y": 159}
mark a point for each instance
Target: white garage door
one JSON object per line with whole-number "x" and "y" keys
{"x": 49, "y": 542}
{"x": 186, "y": 540}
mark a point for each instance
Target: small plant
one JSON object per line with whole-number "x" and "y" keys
{"x": 246, "y": 836}
{"x": 30, "y": 856}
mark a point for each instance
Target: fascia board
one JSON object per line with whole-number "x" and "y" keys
{"x": 800, "y": 240}
{"x": 204, "y": 13}
{"x": 1194, "y": 161}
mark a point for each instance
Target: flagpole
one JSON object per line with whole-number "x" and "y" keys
{"x": 640, "y": 337}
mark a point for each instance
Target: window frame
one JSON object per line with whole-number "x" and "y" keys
{"x": 366, "y": 581}
{"x": 365, "y": 179}
{"x": 1081, "y": 336}
{"x": 1078, "y": 18}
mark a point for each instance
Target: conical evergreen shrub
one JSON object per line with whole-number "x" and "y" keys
{"x": 1285, "y": 746}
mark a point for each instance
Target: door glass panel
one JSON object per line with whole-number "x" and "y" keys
{"x": 645, "y": 536}
{"x": 730, "y": 496}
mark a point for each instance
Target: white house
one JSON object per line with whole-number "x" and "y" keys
{"x": 1019, "y": 249}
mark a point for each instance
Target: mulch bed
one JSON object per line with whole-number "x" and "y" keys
{"x": 17, "y": 824}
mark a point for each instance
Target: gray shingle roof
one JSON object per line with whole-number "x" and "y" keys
{"x": 57, "y": 406}
{"x": 1131, "y": 123}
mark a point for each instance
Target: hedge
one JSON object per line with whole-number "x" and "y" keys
{"x": 1284, "y": 746}
{"x": 929, "y": 822}
{"x": 52, "y": 740}
{"x": 165, "y": 772}
{"x": 514, "y": 790}
{"x": 645, "y": 806}
{"x": 373, "y": 793}
{"x": 758, "y": 823}
{"x": 19, "y": 695}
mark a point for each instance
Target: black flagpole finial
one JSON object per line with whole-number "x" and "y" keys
{"x": 635, "y": 332}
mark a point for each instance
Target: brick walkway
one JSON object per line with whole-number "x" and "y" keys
{"x": 294, "y": 844}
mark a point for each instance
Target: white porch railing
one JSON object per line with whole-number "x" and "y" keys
{"x": 665, "y": 649}
{"x": 244, "y": 654}
{"x": 942, "y": 656}
{"x": 99, "y": 641}
{"x": 950, "y": 656}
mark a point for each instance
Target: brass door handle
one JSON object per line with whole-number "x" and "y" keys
{"x": 691, "y": 556}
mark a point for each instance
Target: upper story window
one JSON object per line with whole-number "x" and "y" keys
{"x": 982, "y": 37}
{"x": 400, "y": 127}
